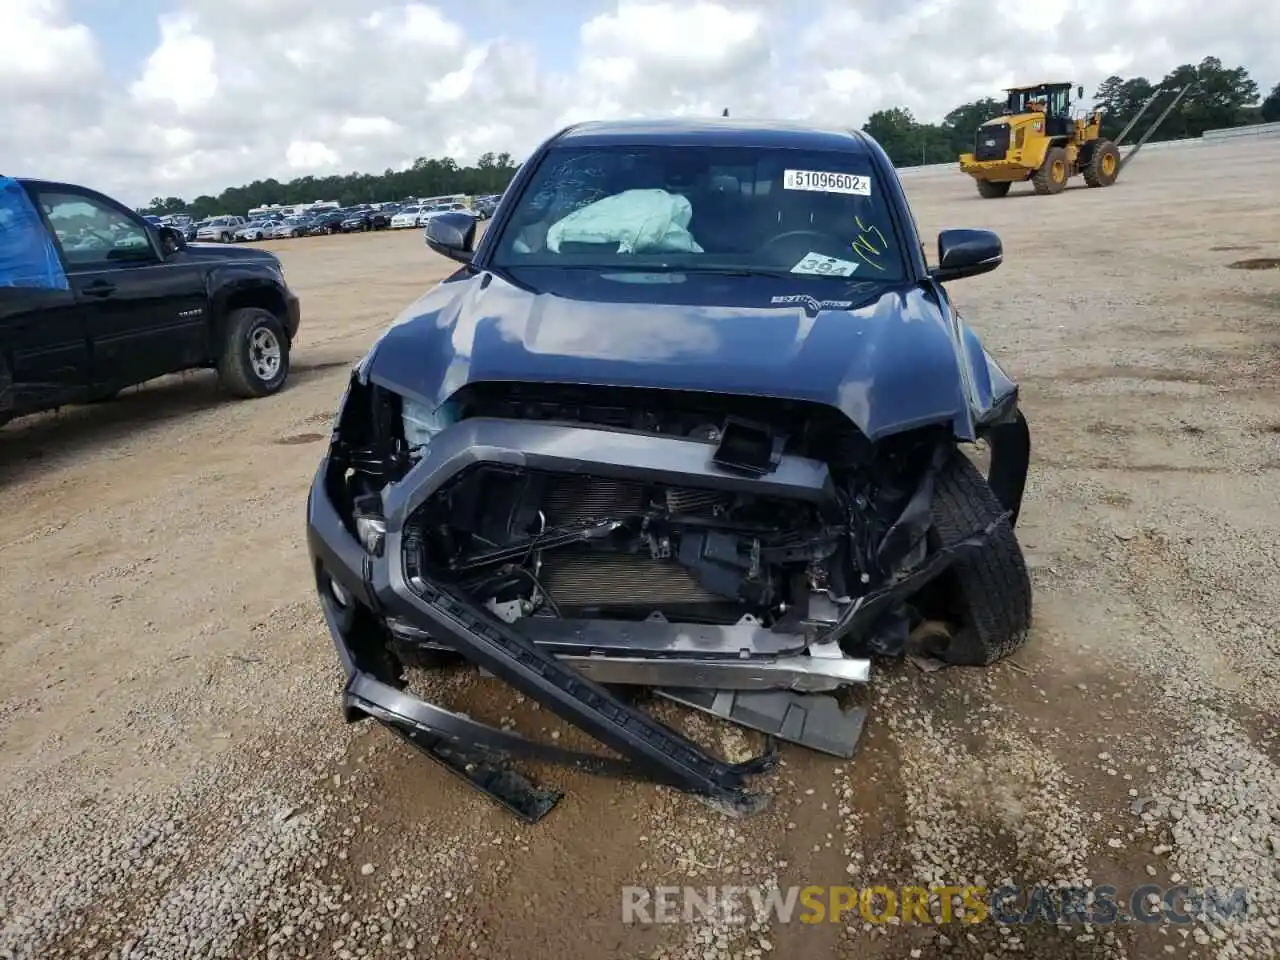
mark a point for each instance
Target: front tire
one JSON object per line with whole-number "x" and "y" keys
{"x": 993, "y": 588}
{"x": 1052, "y": 175}
{"x": 254, "y": 361}
{"x": 1104, "y": 164}
{"x": 991, "y": 191}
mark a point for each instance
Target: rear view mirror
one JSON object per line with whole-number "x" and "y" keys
{"x": 452, "y": 235}
{"x": 966, "y": 253}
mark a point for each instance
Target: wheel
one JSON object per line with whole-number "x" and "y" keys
{"x": 992, "y": 190}
{"x": 254, "y": 360}
{"x": 1104, "y": 164}
{"x": 106, "y": 396}
{"x": 225, "y": 238}
{"x": 1052, "y": 175}
{"x": 992, "y": 587}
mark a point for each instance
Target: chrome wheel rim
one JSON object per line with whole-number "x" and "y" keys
{"x": 264, "y": 353}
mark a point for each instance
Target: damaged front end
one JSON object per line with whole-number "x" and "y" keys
{"x": 741, "y": 556}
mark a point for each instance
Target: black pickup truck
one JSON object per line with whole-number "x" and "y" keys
{"x": 93, "y": 299}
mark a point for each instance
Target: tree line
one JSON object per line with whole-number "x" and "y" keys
{"x": 1219, "y": 97}
{"x": 425, "y": 177}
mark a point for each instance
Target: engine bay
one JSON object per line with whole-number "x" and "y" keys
{"x": 524, "y": 542}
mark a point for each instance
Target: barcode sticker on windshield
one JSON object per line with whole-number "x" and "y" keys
{"x": 824, "y": 182}
{"x": 818, "y": 265}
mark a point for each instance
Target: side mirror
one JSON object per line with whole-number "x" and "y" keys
{"x": 452, "y": 235}
{"x": 966, "y": 253}
{"x": 171, "y": 241}
{"x": 1079, "y": 93}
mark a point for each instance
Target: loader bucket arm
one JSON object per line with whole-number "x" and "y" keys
{"x": 1137, "y": 116}
{"x": 1152, "y": 129}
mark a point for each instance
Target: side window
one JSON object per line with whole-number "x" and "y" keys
{"x": 90, "y": 231}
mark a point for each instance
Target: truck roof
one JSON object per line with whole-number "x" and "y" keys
{"x": 1051, "y": 84}
{"x": 713, "y": 131}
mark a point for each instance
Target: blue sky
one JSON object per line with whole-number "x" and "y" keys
{"x": 129, "y": 29}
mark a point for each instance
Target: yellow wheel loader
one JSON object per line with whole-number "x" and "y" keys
{"x": 1037, "y": 138}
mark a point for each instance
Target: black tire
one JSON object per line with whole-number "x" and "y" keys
{"x": 227, "y": 238}
{"x": 104, "y": 397}
{"x": 243, "y": 363}
{"x": 1052, "y": 175}
{"x": 1104, "y": 164}
{"x": 993, "y": 589}
{"x": 991, "y": 190}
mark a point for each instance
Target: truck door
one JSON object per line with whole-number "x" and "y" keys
{"x": 44, "y": 350}
{"x": 145, "y": 315}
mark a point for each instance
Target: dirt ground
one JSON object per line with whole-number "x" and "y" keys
{"x": 176, "y": 780}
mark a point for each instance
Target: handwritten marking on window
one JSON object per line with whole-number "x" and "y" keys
{"x": 870, "y": 244}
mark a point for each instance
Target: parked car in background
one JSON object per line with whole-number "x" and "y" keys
{"x": 220, "y": 229}
{"x": 328, "y": 221}
{"x": 95, "y": 298}
{"x": 298, "y": 226}
{"x": 183, "y": 224}
{"x": 407, "y": 217}
{"x": 484, "y": 207}
{"x": 362, "y": 220}
{"x": 254, "y": 230}
{"x": 436, "y": 209}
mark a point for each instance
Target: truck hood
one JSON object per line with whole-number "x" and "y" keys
{"x": 889, "y": 357}
{"x": 221, "y": 253}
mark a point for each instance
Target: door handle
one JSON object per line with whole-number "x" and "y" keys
{"x": 99, "y": 288}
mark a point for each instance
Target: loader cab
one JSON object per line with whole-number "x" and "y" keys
{"x": 1051, "y": 99}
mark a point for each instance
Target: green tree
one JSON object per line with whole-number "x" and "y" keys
{"x": 426, "y": 176}
{"x": 1271, "y": 106}
{"x": 961, "y": 124}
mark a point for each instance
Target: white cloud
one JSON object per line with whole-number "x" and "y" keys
{"x": 310, "y": 155}
{"x": 239, "y": 90}
{"x": 41, "y": 52}
{"x": 182, "y": 71}
{"x": 369, "y": 127}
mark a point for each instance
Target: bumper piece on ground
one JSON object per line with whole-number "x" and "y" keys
{"x": 811, "y": 720}
{"x": 652, "y": 750}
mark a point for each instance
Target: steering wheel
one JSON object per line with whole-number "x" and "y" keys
{"x": 820, "y": 240}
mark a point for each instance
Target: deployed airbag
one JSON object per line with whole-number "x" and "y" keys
{"x": 638, "y": 221}
{"x": 28, "y": 256}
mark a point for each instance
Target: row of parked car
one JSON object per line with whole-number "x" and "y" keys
{"x": 357, "y": 219}
{"x": 417, "y": 214}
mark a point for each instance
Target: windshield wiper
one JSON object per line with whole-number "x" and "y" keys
{"x": 738, "y": 271}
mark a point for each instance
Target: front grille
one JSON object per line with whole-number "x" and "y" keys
{"x": 992, "y": 142}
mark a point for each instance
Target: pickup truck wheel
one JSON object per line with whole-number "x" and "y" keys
{"x": 255, "y": 353}
{"x": 994, "y": 595}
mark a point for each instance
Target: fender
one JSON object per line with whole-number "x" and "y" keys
{"x": 239, "y": 284}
